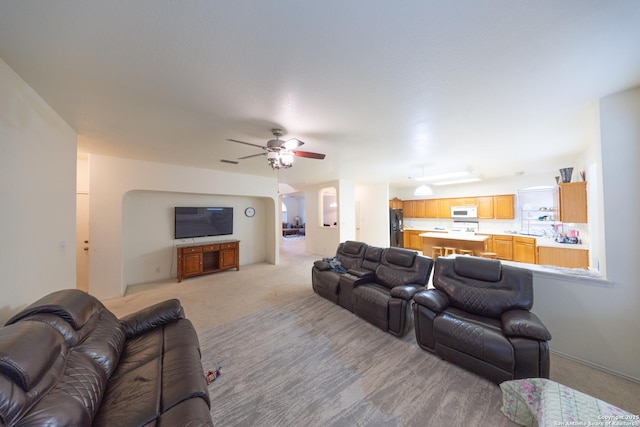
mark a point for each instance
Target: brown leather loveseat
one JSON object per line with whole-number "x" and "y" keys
{"x": 478, "y": 318}
{"x": 325, "y": 279}
{"x": 66, "y": 360}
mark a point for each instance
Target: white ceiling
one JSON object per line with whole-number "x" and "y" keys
{"x": 386, "y": 89}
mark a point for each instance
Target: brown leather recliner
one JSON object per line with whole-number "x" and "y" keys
{"x": 478, "y": 318}
{"x": 384, "y": 298}
{"x": 325, "y": 279}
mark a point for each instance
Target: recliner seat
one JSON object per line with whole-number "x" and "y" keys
{"x": 384, "y": 299}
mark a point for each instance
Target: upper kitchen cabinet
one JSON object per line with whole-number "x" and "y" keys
{"x": 408, "y": 209}
{"x": 503, "y": 206}
{"x": 418, "y": 207}
{"x": 485, "y": 207}
{"x": 431, "y": 208}
{"x": 572, "y": 201}
{"x": 444, "y": 208}
{"x": 395, "y": 203}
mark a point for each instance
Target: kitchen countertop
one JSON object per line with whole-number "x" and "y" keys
{"x": 540, "y": 240}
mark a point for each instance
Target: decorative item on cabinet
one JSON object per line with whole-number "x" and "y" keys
{"x": 565, "y": 173}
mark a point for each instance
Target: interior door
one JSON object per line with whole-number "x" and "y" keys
{"x": 82, "y": 241}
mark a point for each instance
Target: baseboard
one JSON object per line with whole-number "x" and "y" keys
{"x": 596, "y": 366}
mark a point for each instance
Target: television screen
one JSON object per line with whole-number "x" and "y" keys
{"x": 201, "y": 222}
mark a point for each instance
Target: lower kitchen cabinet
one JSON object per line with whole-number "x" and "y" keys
{"x": 561, "y": 257}
{"x": 503, "y": 247}
{"x": 412, "y": 239}
{"x": 524, "y": 249}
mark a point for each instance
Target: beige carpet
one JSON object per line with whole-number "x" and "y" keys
{"x": 222, "y": 298}
{"x": 311, "y": 363}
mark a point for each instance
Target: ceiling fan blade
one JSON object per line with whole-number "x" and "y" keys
{"x": 253, "y": 155}
{"x": 245, "y": 143}
{"x": 309, "y": 155}
{"x": 291, "y": 144}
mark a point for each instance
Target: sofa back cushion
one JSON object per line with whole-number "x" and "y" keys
{"x": 483, "y": 286}
{"x": 399, "y": 267}
{"x": 351, "y": 254}
{"x": 86, "y": 325}
{"x": 372, "y": 257}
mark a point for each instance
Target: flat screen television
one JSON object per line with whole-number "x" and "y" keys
{"x": 201, "y": 222}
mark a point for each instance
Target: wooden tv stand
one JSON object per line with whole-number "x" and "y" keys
{"x": 198, "y": 259}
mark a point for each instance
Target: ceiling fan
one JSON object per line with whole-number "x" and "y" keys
{"x": 280, "y": 153}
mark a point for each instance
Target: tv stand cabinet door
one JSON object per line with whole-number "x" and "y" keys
{"x": 189, "y": 262}
{"x": 229, "y": 256}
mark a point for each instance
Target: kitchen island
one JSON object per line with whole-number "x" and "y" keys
{"x": 466, "y": 241}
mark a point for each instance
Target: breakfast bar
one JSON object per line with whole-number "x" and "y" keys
{"x": 464, "y": 241}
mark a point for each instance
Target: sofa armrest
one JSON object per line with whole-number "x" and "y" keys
{"x": 322, "y": 265}
{"x": 523, "y": 323}
{"x": 433, "y": 299}
{"x": 151, "y": 317}
{"x": 361, "y": 273}
{"x": 405, "y": 292}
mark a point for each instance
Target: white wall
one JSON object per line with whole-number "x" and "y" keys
{"x": 37, "y": 192}
{"x": 149, "y": 249}
{"x": 374, "y": 213}
{"x": 599, "y": 325}
{"x": 112, "y": 178}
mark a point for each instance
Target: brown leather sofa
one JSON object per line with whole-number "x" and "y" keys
{"x": 384, "y": 297}
{"x": 325, "y": 279}
{"x": 478, "y": 317}
{"x": 66, "y": 360}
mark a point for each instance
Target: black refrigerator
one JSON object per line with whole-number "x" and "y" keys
{"x": 396, "y": 227}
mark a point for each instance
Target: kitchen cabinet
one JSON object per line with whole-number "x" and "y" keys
{"x": 561, "y": 257}
{"x": 444, "y": 208}
{"x": 408, "y": 209}
{"x": 395, "y": 203}
{"x": 431, "y": 208}
{"x": 503, "y": 247}
{"x": 485, "y": 207}
{"x": 418, "y": 207}
{"x": 524, "y": 249}
{"x": 503, "y": 206}
{"x": 572, "y": 202}
{"x": 412, "y": 239}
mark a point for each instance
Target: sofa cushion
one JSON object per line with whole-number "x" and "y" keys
{"x": 371, "y": 302}
{"x": 401, "y": 257}
{"x": 353, "y": 248}
{"x": 158, "y": 370}
{"x": 487, "y": 270}
{"x": 477, "y": 336}
{"x": 74, "y": 306}
{"x": 514, "y": 289}
{"x": 25, "y": 361}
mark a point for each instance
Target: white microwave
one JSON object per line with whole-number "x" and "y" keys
{"x": 464, "y": 212}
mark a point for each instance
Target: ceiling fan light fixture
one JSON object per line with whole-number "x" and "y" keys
{"x": 286, "y": 158}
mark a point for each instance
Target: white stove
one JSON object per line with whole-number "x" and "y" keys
{"x": 464, "y": 227}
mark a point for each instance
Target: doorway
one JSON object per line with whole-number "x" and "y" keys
{"x": 82, "y": 241}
